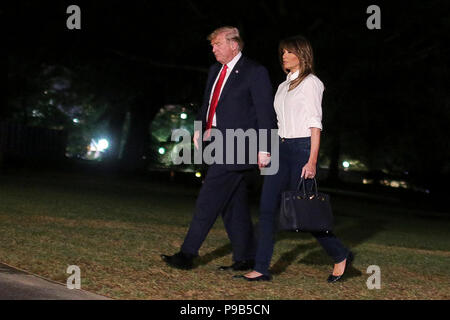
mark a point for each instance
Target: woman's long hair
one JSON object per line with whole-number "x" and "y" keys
{"x": 301, "y": 47}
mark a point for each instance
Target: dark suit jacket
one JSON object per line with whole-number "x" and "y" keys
{"x": 246, "y": 101}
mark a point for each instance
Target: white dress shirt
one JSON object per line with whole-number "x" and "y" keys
{"x": 300, "y": 109}
{"x": 230, "y": 66}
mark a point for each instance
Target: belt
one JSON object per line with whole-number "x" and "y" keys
{"x": 297, "y": 139}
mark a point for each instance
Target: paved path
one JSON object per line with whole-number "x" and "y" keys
{"x": 19, "y": 285}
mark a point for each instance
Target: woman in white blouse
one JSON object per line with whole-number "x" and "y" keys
{"x": 298, "y": 105}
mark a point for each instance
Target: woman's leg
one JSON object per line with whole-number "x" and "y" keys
{"x": 268, "y": 214}
{"x": 332, "y": 245}
{"x": 269, "y": 206}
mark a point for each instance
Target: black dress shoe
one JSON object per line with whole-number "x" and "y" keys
{"x": 262, "y": 277}
{"x": 239, "y": 266}
{"x": 179, "y": 260}
{"x": 348, "y": 262}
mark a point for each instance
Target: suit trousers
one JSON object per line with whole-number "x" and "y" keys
{"x": 294, "y": 154}
{"x": 223, "y": 193}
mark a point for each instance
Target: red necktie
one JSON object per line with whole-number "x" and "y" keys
{"x": 215, "y": 99}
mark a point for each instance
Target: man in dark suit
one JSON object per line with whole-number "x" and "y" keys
{"x": 238, "y": 95}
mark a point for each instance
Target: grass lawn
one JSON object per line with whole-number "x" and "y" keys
{"x": 115, "y": 230}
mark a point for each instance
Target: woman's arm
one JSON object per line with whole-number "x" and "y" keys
{"x": 309, "y": 170}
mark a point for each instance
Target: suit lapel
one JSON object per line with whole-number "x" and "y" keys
{"x": 231, "y": 79}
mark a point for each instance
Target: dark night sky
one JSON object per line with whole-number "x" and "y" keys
{"x": 175, "y": 31}
{"x": 142, "y": 35}
{"x": 388, "y": 87}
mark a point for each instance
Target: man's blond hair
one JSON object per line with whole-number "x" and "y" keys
{"x": 231, "y": 34}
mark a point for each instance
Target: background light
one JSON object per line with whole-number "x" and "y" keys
{"x": 183, "y": 116}
{"x": 198, "y": 174}
{"x": 161, "y": 150}
{"x": 102, "y": 144}
{"x": 346, "y": 164}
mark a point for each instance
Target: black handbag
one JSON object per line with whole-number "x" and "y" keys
{"x": 305, "y": 211}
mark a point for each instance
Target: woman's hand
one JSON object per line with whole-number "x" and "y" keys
{"x": 309, "y": 170}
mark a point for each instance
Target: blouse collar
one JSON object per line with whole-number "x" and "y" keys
{"x": 292, "y": 76}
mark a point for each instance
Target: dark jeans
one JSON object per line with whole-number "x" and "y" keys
{"x": 294, "y": 154}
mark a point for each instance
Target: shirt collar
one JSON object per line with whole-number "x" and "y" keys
{"x": 292, "y": 76}
{"x": 233, "y": 62}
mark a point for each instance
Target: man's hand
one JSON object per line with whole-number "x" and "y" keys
{"x": 195, "y": 139}
{"x": 263, "y": 159}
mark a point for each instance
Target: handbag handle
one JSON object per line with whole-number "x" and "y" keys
{"x": 301, "y": 183}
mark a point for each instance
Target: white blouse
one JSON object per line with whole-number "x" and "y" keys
{"x": 300, "y": 109}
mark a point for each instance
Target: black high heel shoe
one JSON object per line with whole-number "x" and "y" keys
{"x": 348, "y": 262}
{"x": 239, "y": 266}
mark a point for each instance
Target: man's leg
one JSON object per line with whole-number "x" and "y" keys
{"x": 216, "y": 192}
{"x": 238, "y": 223}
